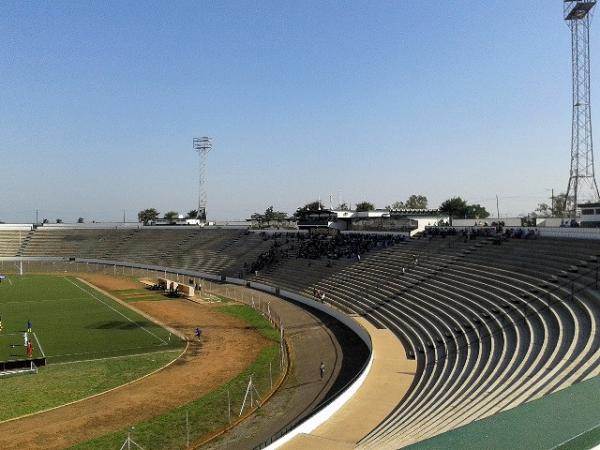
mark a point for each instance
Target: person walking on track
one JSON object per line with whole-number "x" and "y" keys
{"x": 322, "y": 369}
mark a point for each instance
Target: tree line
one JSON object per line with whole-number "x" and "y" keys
{"x": 454, "y": 207}
{"x": 151, "y": 215}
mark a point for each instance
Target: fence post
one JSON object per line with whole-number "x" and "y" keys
{"x": 187, "y": 428}
{"x": 228, "y": 406}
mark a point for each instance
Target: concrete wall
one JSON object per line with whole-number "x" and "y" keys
{"x": 549, "y": 221}
{"x": 92, "y": 226}
{"x": 508, "y": 221}
{"x": 16, "y": 227}
{"x": 568, "y": 233}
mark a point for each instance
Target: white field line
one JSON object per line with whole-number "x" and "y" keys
{"x": 45, "y": 301}
{"x": 39, "y": 345}
{"x": 115, "y": 357}
{"x": 117, "y": 311}
{"x": 9, "y": 281}
{"x": 97, "y": 353}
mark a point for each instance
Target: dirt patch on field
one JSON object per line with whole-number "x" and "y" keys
{"x": 227, "y": 347}
{"x": 110, "y": 283}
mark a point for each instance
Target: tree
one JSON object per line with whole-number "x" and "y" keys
{"x": 416, "y": 202}
{"x": 343, "y": 207}
{"x": 557, "y": 209}
{"x": 543, "y": 210}
{"x": 148, "y": 215}
{"x": 396, "y": 206}
{"x": 312, "y": 206}
{"x": 454, "y": 207}
{"x": 80, "y": 220}
{"x": 171, "y": 216}
{"x": 270, "y": 215}
{"x": 562, "y": 204}
{"x": 59, "y": 221}
{"x": 365, "y": 206}
{"x": 274, "y": 216}
{"x": 476, "y": 212}
{"x": 258, "y": 218}
{"x": 193, "y": 214}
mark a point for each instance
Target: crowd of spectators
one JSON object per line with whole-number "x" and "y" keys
{"x": 318, "y": 246}
{"x": 342, "y": 245}
{"x": 466, "y": 233}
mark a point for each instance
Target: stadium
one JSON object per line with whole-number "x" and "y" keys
{"x": 333, "y": 327}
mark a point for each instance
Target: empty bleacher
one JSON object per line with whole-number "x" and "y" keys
{"x": 218, "y": 251}
{"x": 13, "y": 239}
{"x": 490, "y": 326}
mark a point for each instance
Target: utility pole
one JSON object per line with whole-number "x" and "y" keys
{"x": 498, "y": 207}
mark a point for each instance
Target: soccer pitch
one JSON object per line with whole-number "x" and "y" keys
{"x": 72, "y": 322}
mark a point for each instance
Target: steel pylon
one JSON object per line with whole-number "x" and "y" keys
{"x": 582, "y": 186}
{"x": 202, "y": 145}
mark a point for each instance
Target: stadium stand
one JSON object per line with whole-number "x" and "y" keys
{"x": 13, "y": 238}
{"x": 218, "y": 251}
{"x": 491, "y": 326}
{"x": 491, "y": 322}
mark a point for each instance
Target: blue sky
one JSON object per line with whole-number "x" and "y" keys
{"x": 99, "y": 102}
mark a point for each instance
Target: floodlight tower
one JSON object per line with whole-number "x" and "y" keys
{"x": 202, "y": 145}
{"x": 582, "y": 185}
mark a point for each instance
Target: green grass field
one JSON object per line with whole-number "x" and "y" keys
{"x": 72, "y": 322}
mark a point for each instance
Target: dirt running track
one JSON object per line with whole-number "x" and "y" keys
{"x": 227, "y": 347}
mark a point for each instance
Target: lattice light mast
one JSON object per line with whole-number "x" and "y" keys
{"x": 202, "y": 145}
{"x": 582, "y": 185}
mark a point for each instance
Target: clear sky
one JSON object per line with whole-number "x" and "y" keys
{"x": 100, "y": 100}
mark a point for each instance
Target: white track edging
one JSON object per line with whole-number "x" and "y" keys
{"x": 326, "y": 413}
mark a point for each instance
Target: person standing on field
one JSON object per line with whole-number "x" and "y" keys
{"x": 25, "y": 339}
{"x": 29, "y": 326}
{"x": 29, "y": 349}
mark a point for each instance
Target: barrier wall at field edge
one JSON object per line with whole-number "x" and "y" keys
{"x": 314, "y": 420}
